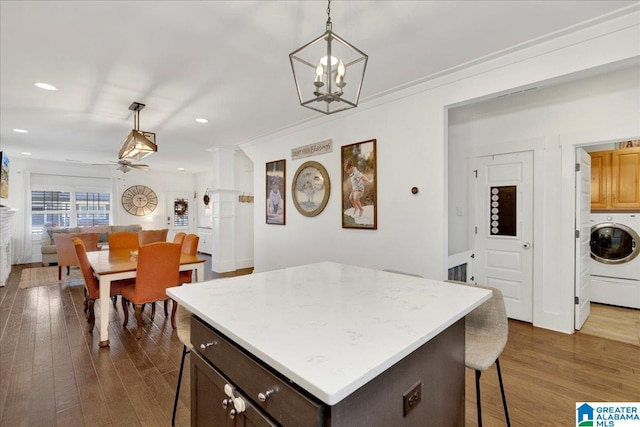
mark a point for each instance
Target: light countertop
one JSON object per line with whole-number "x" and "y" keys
{"x": 329, "y": 327}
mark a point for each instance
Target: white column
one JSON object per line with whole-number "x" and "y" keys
{"x": 223, "y": 258}
{"x": 223, "y": 204}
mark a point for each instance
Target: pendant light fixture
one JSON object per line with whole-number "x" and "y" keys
{"x": 328, "y": 72}
{"x": 138, "y": 144}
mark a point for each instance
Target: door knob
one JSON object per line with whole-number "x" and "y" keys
{"x": 526, "y": 245}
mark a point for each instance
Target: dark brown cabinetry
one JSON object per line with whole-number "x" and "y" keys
{"x": 615, "y": 180}
{"x": 218, "y": 366}
{"x": 210, "y": 404}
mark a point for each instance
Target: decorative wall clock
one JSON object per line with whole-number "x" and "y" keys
{"x": 139, "y": 200}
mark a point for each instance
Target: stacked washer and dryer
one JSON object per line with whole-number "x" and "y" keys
{"x": 615, "y": 259}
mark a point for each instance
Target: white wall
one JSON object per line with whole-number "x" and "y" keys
{"x": 411, "y": 129}
{"x": 608, "y": 101}
{"x": 164, "y": 184}
{"x": 244, "y": 212}
{"x": 241, "y": 244}
{"x": 603, "y": 106}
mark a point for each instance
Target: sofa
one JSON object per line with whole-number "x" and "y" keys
{"x": 48, "y": 246}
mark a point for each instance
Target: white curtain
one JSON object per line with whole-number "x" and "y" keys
{"x": 21, "y": 243}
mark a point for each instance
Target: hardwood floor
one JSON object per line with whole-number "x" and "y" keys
{"x": 52, "y": 371}
{"x": 616, "y": 323}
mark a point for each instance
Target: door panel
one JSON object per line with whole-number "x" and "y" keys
{"x": 180, "y": 214}
{"x": 504, "y": 218}
{"x": 582, "y": 274}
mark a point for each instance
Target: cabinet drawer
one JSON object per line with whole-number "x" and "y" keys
{"x": 285, "y": 404}
{"x": 208, "y": 394}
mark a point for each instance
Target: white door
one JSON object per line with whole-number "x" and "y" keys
{"x": 180, "y": 214}
{"x": 504, "y": 229}
{"x": 582, "y": 275}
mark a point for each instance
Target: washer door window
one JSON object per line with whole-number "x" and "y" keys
{"x": 614, "y": 243}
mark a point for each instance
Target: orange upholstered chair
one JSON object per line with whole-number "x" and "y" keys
{"x": 92, "y": 286}
{"x": 157, "y": 270}
{"x": 179, "y": 237}
{"x": 66, "y": 252}
{"x": 152, "y": 236}
{"x": 123, "y": 240}
{"x": 189, "y": 247}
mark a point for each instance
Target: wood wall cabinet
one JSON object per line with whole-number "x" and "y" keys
{"x": 615, "y": 180}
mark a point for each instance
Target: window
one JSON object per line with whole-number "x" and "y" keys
{"x": 92, "y": 208}
{"x": 180, "y": 213}
{"x": 68, "y": 209}
{"x": 50, "y": 209}
{"x": 64, "y": 201}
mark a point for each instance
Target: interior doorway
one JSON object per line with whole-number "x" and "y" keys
{"x": 504, "y": 229}
{"x": 582, "y": 274}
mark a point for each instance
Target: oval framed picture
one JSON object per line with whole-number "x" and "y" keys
{"x": 310, "y": 188}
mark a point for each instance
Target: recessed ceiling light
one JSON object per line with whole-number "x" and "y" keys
{"x": 21, "y": 131}
{"x": 26, "y": 153}
{"x": 201, "y": 120}
{"x": 46, "y": 86}
{"x": 180, "y": 169}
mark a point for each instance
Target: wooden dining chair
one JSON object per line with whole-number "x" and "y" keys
{"x": 152, "y": 236}
{"x": 123, "y": 240}
{"x": 189, "y": 247}
{"x": 179, "y": 237}
{"x": 66, "y": 251}
{"x": 157, "y": 269}
{"x": 91, "y": 284}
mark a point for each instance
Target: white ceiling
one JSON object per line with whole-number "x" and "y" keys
{"x": 226, "y": 61}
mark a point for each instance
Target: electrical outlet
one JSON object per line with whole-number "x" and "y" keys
{"x": 411, "y": 399}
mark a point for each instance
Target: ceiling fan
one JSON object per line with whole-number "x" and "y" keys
{"x": 125, "y": 166}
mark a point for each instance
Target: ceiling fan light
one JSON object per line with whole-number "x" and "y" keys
{"x": 138, "y": 145}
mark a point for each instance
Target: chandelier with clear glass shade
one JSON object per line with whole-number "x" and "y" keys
{"x": 328, "y": 85}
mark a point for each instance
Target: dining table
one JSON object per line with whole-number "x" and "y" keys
{"x": 111, "y": 265}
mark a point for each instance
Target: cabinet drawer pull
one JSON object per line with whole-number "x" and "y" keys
{"x": 207, "y": 345}
{"x": 262, "y": 397}
{"x": 240, "y": 407}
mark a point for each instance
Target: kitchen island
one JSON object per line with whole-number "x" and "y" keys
{"x": 327, "y": 344}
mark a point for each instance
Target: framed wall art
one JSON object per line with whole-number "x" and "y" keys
{"x": 311, "y": 188}
{"x": 275, "y": 182}
{"x": 359, "y": 191}
{"x": 4, "y": 179}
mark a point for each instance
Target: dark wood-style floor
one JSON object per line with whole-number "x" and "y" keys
{"x": 52, "y": 371}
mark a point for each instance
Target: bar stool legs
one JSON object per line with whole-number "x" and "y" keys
{"x": 504, "y": 399}
{"x": 185, "y": 350}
